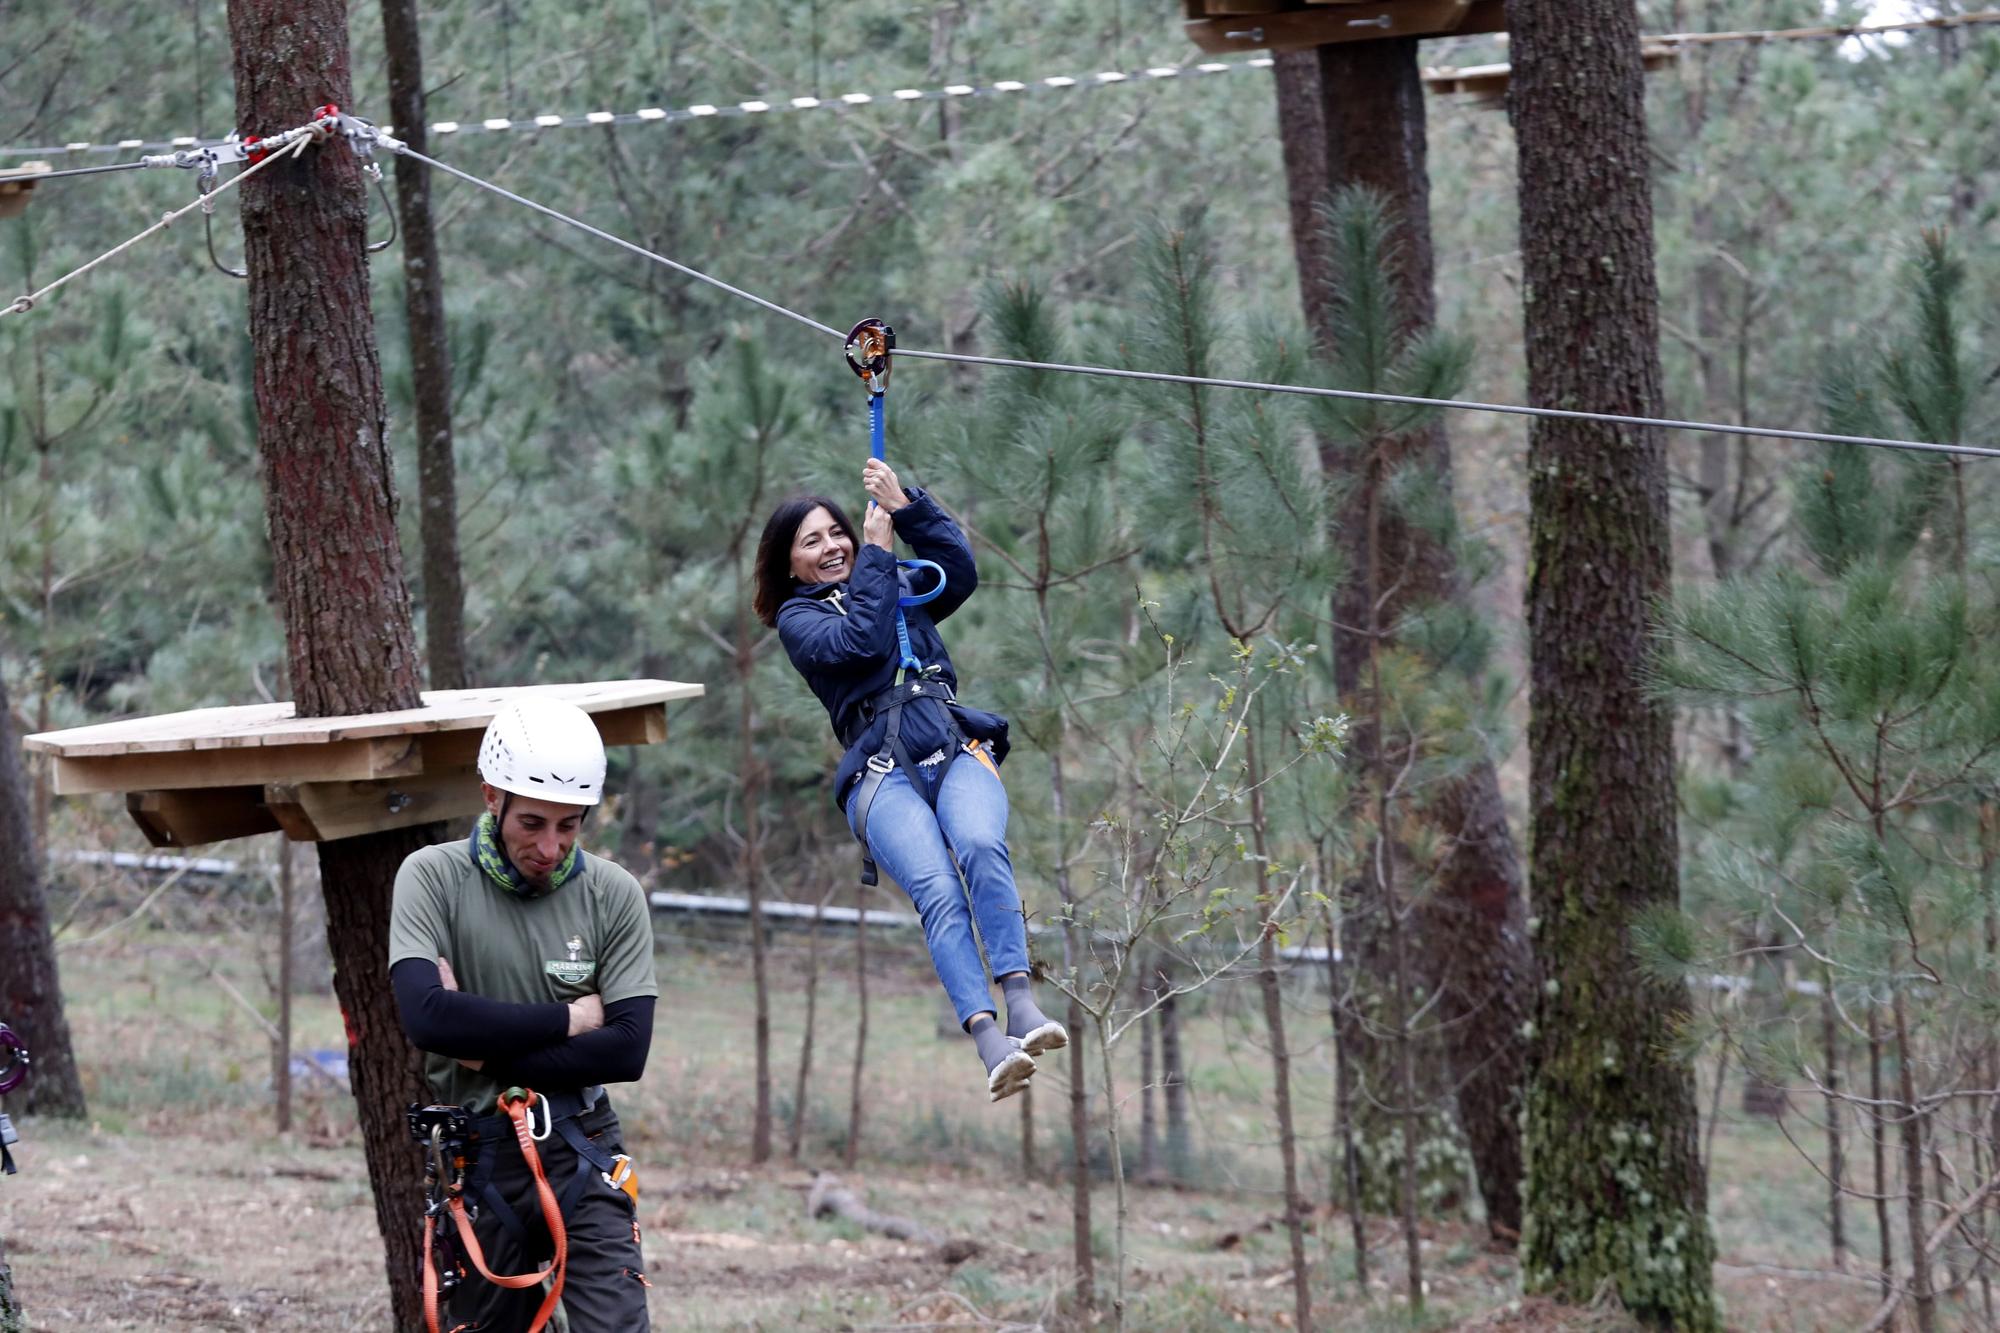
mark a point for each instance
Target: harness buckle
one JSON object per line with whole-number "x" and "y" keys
{"x": 882, "y": 764}
{"x": 622, "y": 1177}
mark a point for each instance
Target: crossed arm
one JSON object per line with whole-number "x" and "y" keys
{"x": 552, "y": 1044}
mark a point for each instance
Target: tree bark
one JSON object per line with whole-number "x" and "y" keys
{"x": 1615, "y": 1188}
{"x": 31, "y": 1000}
{"x": 1836, "y": 1149}
{"x": 330, "y": 504}
{"x": 430, "y": 355}
{"x": 1353, "y": 114}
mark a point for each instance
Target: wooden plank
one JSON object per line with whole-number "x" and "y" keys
{"x": 644, "y": 725}
{"x": 190, "y": 818}
{"x": 269, "y": 725}
{"x": 1488, "y": 83}
{"x": 324, "y": 811}
{"x": 1329, "y": 24}
{"x": 390, "y": 756}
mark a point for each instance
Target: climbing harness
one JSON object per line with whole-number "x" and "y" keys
{"x": 869, "y": 345}
{"x": 460, "y": 1156}
{"x": 12, "y": 1075}
{"x": 449, "y": 1133}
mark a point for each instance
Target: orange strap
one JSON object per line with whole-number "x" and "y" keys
{"x": 516, "y": 1102}
{"x": 978, "y": 750}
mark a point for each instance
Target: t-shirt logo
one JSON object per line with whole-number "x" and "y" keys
{"x": 570, "y": 971}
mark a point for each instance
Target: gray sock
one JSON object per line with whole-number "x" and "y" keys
{"x": 1023, "y": 1015}
{"x": 992, "y": 1042}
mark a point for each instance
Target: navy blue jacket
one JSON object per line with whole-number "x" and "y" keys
{"x": 842, "y": 637}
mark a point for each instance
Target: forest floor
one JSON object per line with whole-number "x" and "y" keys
{"x": 177, "y": 1206}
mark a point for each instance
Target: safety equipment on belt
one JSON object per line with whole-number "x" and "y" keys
{"x": 546, "y": 748}
{"x": 459, "y": 1162}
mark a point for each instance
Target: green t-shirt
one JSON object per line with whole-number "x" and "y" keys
{"x": 593, "y": 934}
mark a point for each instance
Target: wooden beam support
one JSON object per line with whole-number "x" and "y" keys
{"x": 1326, "y": 24}
{"x": 385, "y": 757}
{"x": 209, "y": 814}
{"x": 326, "y": 811}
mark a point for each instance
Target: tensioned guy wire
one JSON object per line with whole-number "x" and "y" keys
{"x": 1311, "y": 391}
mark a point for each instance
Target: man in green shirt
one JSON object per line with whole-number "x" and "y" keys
{"x": 519, "y": 960}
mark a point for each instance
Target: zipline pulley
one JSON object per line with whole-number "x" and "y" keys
{"x": 869, "y": 344}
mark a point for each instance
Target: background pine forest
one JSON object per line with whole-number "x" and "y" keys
{"x": 1826, "y": 223}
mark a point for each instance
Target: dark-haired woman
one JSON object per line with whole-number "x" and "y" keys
{"x": 920, "y": 779}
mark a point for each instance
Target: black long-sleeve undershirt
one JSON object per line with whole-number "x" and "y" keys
{"x": 469, "y": 1027}
{"x": 526, "y": 1044}
{"x": 614, "y": 1053}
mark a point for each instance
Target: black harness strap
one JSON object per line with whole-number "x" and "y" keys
{"x": 893, "y": 751}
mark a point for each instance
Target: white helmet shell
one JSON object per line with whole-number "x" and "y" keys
{"x": 545, "y": 748}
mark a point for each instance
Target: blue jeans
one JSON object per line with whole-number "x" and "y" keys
{"x": 916, "y": 849}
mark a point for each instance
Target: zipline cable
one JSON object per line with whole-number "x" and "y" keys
{"x": 289, "y": 144}
{"x": 1311, "y": 391}
{"x": 1461, "y": 404}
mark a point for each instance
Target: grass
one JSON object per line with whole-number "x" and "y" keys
{"x": 187, "y": 1185}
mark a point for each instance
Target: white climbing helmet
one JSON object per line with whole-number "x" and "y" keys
{"x": 545, "y": 748}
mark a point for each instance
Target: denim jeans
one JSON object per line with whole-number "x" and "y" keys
{"x": 916, "y": 849}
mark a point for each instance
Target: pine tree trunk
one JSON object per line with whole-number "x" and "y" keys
{"x": 752, "y": 771}
{"x": 1083, "y": 1257}
{"x": 1149, "y": 1122}
{"x": 1836, "y": 1148}
{"x": 860, "y": 1028}
{"x": 1353, "y": 114}
{"x": 330, "y": 504}
{"x": 430, "y": 355}
{"x": 12, "y": 1320}
{"x": 1343, "y": 1102}
{"x": 804, "y": 1081}
{"x": 1615, "y": 1188}
{"x": 1880, "y": 1147}
{"x": 1173, "y": 1081}
{"x": 281, "y": 1049}
{"x": 31, "y": 999}
{"x": 1281, "y": 1055}
{"x": 1029, "y": 1168}
{"x": 1913, "y": 1118}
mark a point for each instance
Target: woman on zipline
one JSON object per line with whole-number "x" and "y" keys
{"x": 920, "y": 780}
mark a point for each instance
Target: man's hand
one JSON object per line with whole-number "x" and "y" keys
{"x": 879, "y": 480}
{"x": 877, "y": 530}
{"x": 585, "y": 1015}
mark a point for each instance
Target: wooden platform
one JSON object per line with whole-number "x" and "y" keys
{"x": 216, "y": 773}
{"x": 1221, "y": 26}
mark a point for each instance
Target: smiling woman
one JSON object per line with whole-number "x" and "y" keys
{"x": 871, "y": 652}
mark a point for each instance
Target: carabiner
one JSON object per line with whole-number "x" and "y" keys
{"x": 868, "y": 346}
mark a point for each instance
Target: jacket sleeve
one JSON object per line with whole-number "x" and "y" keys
{"x": 933, "y": 535}
{"x": 818, "y": 639}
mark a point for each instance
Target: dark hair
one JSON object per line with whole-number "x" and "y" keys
{"x": 774, "y": 550}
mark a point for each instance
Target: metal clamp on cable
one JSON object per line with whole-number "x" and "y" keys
{"x": 869, "y": 344}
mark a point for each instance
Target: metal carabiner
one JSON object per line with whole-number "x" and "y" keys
{"x": 204, "y": 182}
{"x": 374, "y": 173}
{"x": 868, "y": 346}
